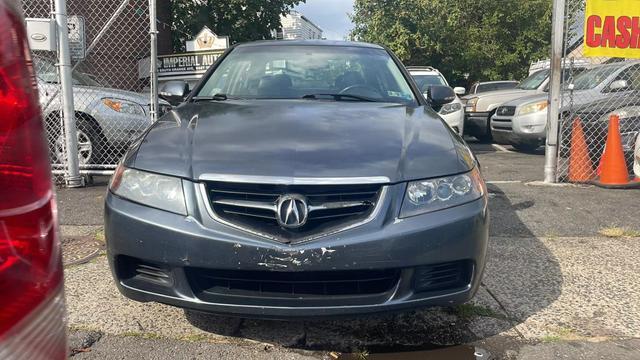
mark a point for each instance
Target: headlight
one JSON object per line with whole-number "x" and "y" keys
{"x": 450, "y": 108}
{"x": 123, "y": 106}
{"x": 158, "y": 191}
{"x": 471, "y": 104}
{"x": 623, "y": 113}
{"x": 436, "y": 194}
{"x": 535, "y": 107}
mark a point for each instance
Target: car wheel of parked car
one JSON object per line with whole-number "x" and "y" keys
{"x": 526, "y": 147}
{"x": 90, "y": 142}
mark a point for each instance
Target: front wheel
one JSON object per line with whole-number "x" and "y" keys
{"x": 90, "y": 143}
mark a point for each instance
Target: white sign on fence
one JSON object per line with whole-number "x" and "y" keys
{"x": 77, "y": 36}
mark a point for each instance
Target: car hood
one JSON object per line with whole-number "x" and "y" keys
{"x": 301, "y": 138}
{"x": 95, "y": 92}
{"x": 499, "y": 93}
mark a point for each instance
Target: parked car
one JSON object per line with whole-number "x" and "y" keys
{"x": 486, "y": 86}
{"x": 523, "y": 122}
{"x": 480, "y": 108}
{"x": 32, "y": 324}
{"x": 453, "y": 112}
{"x": 282, "y": 200}
{"x": 595, "y": 120}
{"x": 108, "y": 120}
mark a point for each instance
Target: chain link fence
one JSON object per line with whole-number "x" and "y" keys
{"x": 597, "y": 87}
{"x": 110, "y": 48}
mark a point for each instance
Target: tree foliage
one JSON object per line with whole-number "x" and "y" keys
{"x": 487, "y": 39}
{"x": 241, "y": 20}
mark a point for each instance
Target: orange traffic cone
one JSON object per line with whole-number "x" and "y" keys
{"x": 614, "y": 173}
{"x": 580, "y": 166}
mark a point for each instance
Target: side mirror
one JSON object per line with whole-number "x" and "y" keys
{"x": 618, "y": 85}
{"x": 459, "y": 90}
{"x": 439, "y": 95}
{"x": 174, "y": 91}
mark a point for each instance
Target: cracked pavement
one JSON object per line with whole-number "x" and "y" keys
{"x": 552, "y": 283}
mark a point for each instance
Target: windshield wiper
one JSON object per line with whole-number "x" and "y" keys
{"x": 216, "y": 97}
{"x": 340, "y": 97}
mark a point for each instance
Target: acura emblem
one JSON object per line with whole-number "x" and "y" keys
{"x": 292, "y": 211}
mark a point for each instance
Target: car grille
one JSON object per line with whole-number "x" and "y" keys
{"x": 279, "y": 288}
{"x": 501, "y": 124}
{"x": 252, "y": 207}
{"x": 506, "y": 111}
{"x": 445, "y": 276}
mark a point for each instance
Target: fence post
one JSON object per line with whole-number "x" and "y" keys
{"x": 73, "y": 178}
{"x": 153, "y": 32}
{"x": 555, "y": 92}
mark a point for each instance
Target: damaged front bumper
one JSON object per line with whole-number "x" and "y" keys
{"x": 387, "y": 264}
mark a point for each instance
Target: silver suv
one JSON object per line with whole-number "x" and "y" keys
{"x": 108, "y": 120}
{"x": 523, "y": 122}
{"x": 480, "y": 108}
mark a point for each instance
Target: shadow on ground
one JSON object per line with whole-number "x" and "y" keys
{"x": 522, "y": 278}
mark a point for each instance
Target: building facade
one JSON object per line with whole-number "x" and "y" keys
{"x": 296, "y": 26}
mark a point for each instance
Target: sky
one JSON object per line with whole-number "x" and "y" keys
{"x": 330, "y": 15}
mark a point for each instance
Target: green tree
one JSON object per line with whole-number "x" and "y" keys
{"x": 241, "y": 20}
{"x": 487, "y": 39}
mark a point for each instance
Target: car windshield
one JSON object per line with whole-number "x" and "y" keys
{"x": 47, "y": 72}
{"x": 310, "y": 72}
{"x": 593, "y": 77}
{"x": 423, "y": 81}
{"x": 534, "y": 80}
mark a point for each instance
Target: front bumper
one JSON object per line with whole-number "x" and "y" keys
{"x": 476, "y": 123}
{"x": 519, "y": 129}
{"x": 455, "y": 121}
{"x": 180, "y": 246}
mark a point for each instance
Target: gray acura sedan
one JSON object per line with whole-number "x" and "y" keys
{"x": 300, "y": 179}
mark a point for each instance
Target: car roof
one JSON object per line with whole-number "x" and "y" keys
{"x": 310, "y": 42}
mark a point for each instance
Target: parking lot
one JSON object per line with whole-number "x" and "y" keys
{"x": 561, "y": 277}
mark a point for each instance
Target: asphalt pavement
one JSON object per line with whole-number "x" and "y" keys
{"x": 555, "y": 286}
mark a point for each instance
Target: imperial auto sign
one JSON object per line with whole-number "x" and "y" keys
{"x": 612, "y": 28}
{"x": 195, "y": 62}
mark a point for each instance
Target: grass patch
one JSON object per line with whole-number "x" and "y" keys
{"x": 618, "y": 232}
{"x": 100, "y": 236}
{"x": 137, "y": 334}
{"x": 195, "y": 337}
{"x": 551, "y": 338}
{"x": 467, "y": 311}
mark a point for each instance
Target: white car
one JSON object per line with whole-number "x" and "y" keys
{"x": 452, "y": 113}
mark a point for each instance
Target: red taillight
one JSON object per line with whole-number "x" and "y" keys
{"x": 30, "y": 262}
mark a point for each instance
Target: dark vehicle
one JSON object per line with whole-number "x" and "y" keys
{"x": 300, "y": 179}
{"x": 32, "y": 312}
{"x": 595, "y": 121}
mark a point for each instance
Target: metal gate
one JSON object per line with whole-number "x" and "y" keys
{"x": 110, "y": 48}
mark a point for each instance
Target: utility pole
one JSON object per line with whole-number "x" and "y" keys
{"x": 555, "y": 92}
{"x": 72, "y": 178}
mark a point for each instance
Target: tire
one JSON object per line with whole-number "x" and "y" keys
{"x": 91, "y": 141}
{"x": 487, "y": 137}
{"x": 526, "y": 147}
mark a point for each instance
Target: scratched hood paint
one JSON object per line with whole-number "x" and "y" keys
{"x": 300, "y": 138}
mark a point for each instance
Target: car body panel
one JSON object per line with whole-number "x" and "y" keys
{"x": 305, "y": 138}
